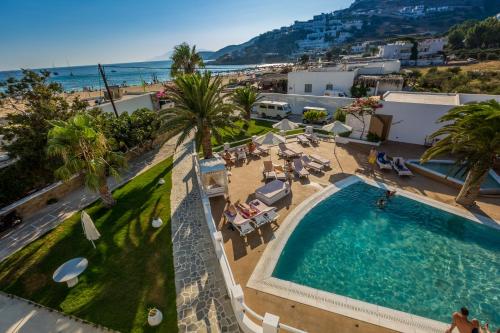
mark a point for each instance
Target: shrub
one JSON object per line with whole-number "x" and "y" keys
{"x": 340, "y": 115}
{"x": 313, "y": 116}
{"x": 345, "y": 134}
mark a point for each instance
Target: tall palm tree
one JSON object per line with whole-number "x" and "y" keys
{"x": 472, "y": 135}
{"x": 185, "y": 60}
{"x": 245, "y": 99}
{"x": 200, "y": 108}
{"x": 84, "y": 149}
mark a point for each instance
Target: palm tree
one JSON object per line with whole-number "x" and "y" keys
{"x": 84, "y": 149}
{"x": 185, "y": 60}
{"x": 245, "y": 99}
{"x": 200, "y": 108}
{"x": 472, "y": 135}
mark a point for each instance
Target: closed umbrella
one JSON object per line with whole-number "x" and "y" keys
{"x": 91, "y": 232}
{"x": 270, "y": 138}
{"x": 285, "y": 125}
{"x": 337, "y": 128}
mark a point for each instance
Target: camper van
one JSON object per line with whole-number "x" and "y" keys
{"x": 269, "y": 109}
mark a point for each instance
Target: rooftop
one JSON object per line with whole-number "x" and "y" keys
{"x": 422, "y": 98}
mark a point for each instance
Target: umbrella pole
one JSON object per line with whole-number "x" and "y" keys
{"x": 93, "y": 243}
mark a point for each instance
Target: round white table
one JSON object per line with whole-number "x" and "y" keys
{"x": 69, "y": 271}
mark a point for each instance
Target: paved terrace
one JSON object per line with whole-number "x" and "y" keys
{"x": 351, "y": 159}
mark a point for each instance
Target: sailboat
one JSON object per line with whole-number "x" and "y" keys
{"x": 69, "y": 66}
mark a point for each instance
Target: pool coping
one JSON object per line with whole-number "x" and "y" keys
{"x": 416, "y": 164}
{"x": 262, "y": 279}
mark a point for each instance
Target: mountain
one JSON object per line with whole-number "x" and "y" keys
{"x": 363, "y": 20}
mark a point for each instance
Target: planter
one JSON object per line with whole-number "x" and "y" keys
{"x": 154, "y": 317}
{"x": 340, "y": 139}
{"x": 156, "y": 223}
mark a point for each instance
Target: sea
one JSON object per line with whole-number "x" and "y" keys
{"x": 78, "y": 78}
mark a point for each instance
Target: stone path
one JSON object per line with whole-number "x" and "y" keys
{"x": 202, "y": 301}
{"x": 51, "y": 216}
{"x": 20, "y": 316}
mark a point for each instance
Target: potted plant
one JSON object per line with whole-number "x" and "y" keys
{"x": 154, "y": 317}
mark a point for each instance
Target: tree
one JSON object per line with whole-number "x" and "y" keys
{"x": 199, "y": 108}
{"x": 456, "y": 39}
{"x": 359, "y": 90}
{"x": 185, "y": 60}
{"x": 245, "y": 99}
{"x": 361, "y": 108}
{"x": 85, "y": 149}
{"x": 472, "y": 135}
{"x": 34, "y": 102}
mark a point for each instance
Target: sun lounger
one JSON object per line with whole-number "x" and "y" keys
{"x": 241, "y": 154}
{"x": 268, "y": 171}
{"x": 383, "y": 162}
{"x": 241, "y": 223}
{"x": 299, "y": 168}
{"x": 312, "y": 137}
{"x": 272, "y": 192}
{"x": 321, "y": 160}
{"x": 398, "y": 163}
{"x": 309, "y": 164}
{"x": 280, "y": 172}
{"x": 262, "y": 149}
{"x": 302, "y": 140}
{"x": 260, "y": 216}
{"x": 287, "y": 152}
{"x": 269, "y": 212}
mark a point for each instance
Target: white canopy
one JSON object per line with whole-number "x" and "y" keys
{"x": 286, "y": 125}
{"x": 337, "y": 128}
{"x": 270, "y": 138}
{"x": 91, "y": 232}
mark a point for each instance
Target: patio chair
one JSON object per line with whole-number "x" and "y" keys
{"x": 312, "y": 137}
{"x": 259, "y": 217}
{"x": 241, "y": 154}
{"x": 398, "y": 164}
{"x": 241, "y": 223}
{"x": 302, "y": 140}
{"x": 280, "y": 172}
{"x": 383, "y": 162}
{"x": 321, "y": 160}
{"x": 262, "y": 149}
{"x": 286, "y": 152}
{"x": 309, "y": 164}
{"x": 272, "y": 192}
{"x": 269, "y": 212}
{"x": 268, "y": 171}
{"x": 299, "y": 169}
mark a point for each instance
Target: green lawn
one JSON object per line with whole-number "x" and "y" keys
{"x": 255, "y": 127}
{"x": 130, "y": 271}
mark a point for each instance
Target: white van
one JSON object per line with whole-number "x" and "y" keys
{"x": 272, "y": 109}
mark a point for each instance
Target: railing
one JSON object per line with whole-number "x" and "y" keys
{"x": 269, "y": 323}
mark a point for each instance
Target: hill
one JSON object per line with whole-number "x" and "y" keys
{"x": 363, "y": 20}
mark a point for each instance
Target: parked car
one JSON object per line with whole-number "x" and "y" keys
{"x": 317, "y": 115}
{"x": 9, "y": 221}
{"x": 270, "y": 109}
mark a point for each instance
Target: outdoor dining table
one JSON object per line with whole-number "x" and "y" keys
{"x": 69, "y": 271}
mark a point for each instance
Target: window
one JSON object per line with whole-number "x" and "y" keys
{"x": 308, "y": 88}
{"x": 280, "y": 108}
{"x": 270, "y": 107}
{"x": 262, "y": 106}
{"x": 329, "y": 86}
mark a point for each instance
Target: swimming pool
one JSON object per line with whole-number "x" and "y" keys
{"x": 409, "y": 256}
{"x": 447, "y": 170}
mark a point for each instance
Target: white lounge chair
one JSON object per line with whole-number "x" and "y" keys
{"x": 321, "y": 160}
{"x": 398, "y": 164}
{"x": 268, "y": 171}
{"x": 272, "y": 191}
{"x": 383, "y": 162}
{"x": 309, "y": 164}
{"x": 299, "y": 169}
{"x": 260, "y": 216}
{"x": 287, "y": 152}
{"x": 241, "y": 223}
{"x": 269, "y": 212}
{"x": 312, "y": 137}
{"x": 262, "y": 149}
{"x": 241, "y": 154}
{"x": 280, "y": 172}
{"x": 302, "y": 140}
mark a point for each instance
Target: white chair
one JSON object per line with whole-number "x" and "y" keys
{"x": 398, "y": 164}
{"x": 302, "y": 140}
{"x": 287, "y": 152}
{"x": 383, "y": 162}
{"x": 321, "y": 160}
{"x": 299, "y": 169}
{"x": 241, "y": 223}
{"x": 309, "y": 164}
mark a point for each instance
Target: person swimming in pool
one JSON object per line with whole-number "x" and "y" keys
{"x": 381, "y": 203}
{"x": 389, "y": 194}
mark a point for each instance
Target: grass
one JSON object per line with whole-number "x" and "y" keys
{"x": 491, "y": 65}
{"x": 255, "y": 127}
{"x": 130, "y": 271}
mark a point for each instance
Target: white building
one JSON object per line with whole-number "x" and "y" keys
{"x": 130, "y": 103}
{"x": 337, "y": 81}
{"x": 429, "y": 51}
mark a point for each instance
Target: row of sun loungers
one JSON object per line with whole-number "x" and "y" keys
{"x": 273, "y": 171}
{"x": 247, "y": 217}
{"x": 397, "y": 163}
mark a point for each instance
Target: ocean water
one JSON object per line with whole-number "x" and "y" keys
{"x": 407, "y": 256}
{"x": 77, "y": 77}
{"x": 450, "y": 170}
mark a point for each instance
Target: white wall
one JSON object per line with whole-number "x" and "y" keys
{"x": 467, "y": 98}
{"x": 129, "y": 104}
{"x": 341, "y": 81}
{"x": 298, "y": 102}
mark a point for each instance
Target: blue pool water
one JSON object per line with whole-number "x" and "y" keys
{"x": 451, "y": 170}
{"x": 408, "y": 256}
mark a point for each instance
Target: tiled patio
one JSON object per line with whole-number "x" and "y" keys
{"x": 350, "y": 159}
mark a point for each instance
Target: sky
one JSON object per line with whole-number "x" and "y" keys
{"x": 47, "y": 33}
